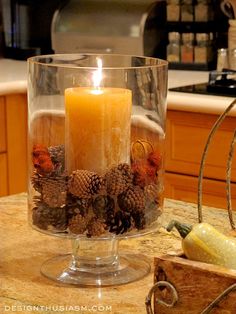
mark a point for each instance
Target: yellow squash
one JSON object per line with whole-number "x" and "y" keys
{"x": 202, "y": 242}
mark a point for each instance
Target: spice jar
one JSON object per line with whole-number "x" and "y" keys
{"x": 232, "y": 59}
{"x": 187, "y": 11}
{"x": 187, "y": 48}
{"x": 173, "y": 10}
{"x": 173, "y": 48}
{"x": 203, "y": 11}
{"x": 201, "y": 49}
{"x": 232, "y": 35}
{"x": 222, "y": 59}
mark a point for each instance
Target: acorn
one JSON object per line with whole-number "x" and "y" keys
{"x": 84, "y": 183}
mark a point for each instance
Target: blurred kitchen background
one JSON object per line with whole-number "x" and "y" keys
{"x": 186, "y": 32}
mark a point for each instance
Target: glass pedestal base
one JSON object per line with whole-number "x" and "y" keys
{"x": 104, "y": 270}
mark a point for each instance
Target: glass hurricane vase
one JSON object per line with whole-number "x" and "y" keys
{"x": 96, "y": 150}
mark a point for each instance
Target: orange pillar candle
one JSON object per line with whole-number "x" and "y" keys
{"x": 97, "y": 127}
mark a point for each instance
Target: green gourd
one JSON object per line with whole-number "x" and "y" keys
{"x": 202, "y": 242}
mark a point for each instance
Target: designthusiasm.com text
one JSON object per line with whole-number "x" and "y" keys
{"x": 58, "y": 308}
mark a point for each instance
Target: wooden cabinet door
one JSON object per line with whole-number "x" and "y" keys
{"x": 16, "y": 125}
{"x": 3, "y": 148}
{"x": 2, "y": 125}
{"x": 3, "y": 175}
{"x": 185, "y": 188}
{"x": 186, "y": 136}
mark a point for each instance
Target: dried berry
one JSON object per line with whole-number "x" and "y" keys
{"x": 78, "y": 224}
{"x": 144, "y": 173}
{"x": 132, "y": 200}
{"x": 43, "y": 217}
{"x": 95, "y": 227}
{"x": 84, "y": 184}
{"x": 118, "y": 179}
{"x": 154, "y": 158}
{"x": 42, "y": 160}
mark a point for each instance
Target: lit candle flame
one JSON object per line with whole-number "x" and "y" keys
{"x": 97, "y": 75}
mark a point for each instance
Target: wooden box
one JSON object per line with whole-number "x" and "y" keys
{"x": 197, "y": 285}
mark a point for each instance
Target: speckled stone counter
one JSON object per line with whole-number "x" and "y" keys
{"x": 22, "y": 251}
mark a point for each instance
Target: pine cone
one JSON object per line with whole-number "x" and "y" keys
{"x": 139, "y": 219}
{"x": 36, "y": 182}
{"x": 53, "y": 191}
{"x": 102, "y": 204}
{"x": 153, "y": 199}
{"x": 95, "y": 227}
{"x": 118, "y": 179}
{"x": 43, "y": 216}
{"x": 57, "y": 154}
{"x": 76, "y": 205}
{"x": 132, "y": 200}
{"x": 152, "y": 192}
{"x": 121, "y": 222}
{"x": 84, "y": 184}
{"x": 78, "y": 224}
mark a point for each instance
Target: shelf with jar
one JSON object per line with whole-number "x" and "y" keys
{"x": 195, "y": 30}
{"x": 190, "y": 10}
{"x": 190, "y": 51}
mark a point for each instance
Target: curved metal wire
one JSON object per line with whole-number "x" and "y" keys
{"x": 163, "y": 284}
{"x": 228, "y": 181}
{"x": 217, "y": 300}
{"x": 205, "y": 151}
{"x": 172, "y": 303}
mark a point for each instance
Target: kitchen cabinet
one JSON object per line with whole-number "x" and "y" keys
{"x": 186, "y": 136}
{"x": 13, "y": 144}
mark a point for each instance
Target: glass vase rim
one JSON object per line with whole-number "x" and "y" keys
{"x": 35, "y": 60}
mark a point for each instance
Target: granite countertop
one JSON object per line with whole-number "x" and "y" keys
{"x": 23, "y": 250}
{"x": 13, "y": 79}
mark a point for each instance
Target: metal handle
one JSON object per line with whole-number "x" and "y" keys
{"x": 170, "y": 287}
{"x": 163, "y": 284}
